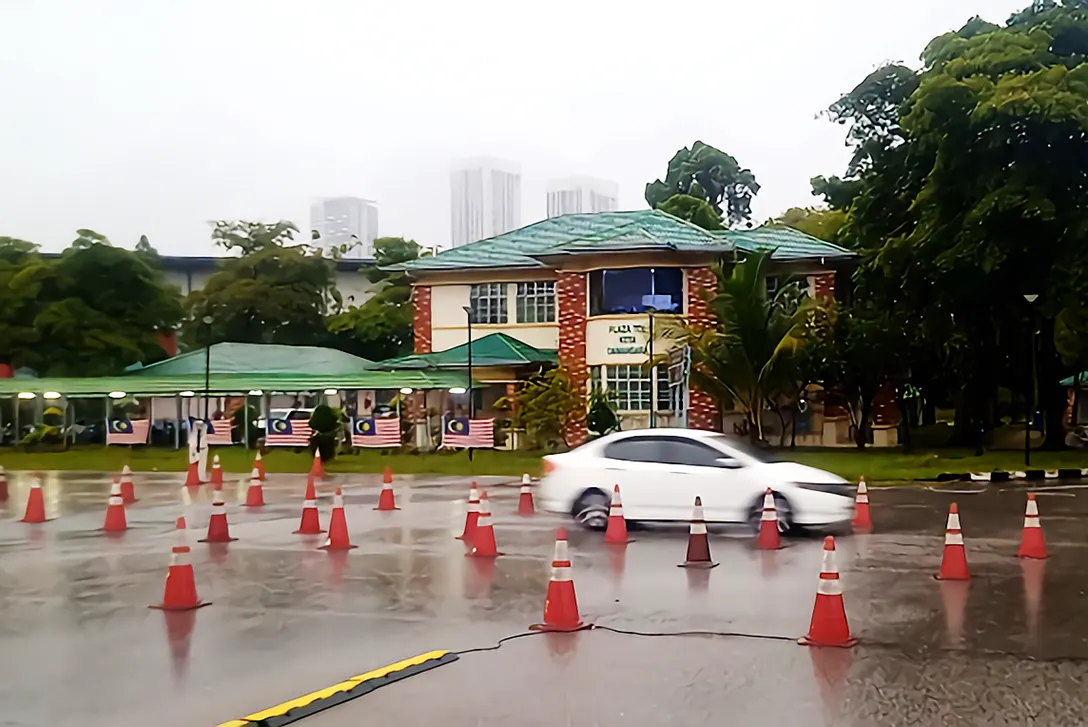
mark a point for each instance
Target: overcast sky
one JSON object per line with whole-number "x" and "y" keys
{"x": 151, "y": 118}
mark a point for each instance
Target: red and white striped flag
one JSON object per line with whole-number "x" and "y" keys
{"x": 463, "y": 432}
{"x": 218, "y": 432}
{"x": 287, "y": 433}
{"x": 125, "y": 431}
{"x": 375, "y": 432}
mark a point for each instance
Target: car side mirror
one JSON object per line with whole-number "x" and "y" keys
{"x": 728, "y": 463}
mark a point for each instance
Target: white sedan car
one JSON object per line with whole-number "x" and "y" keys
{"x": 661, "y": 471}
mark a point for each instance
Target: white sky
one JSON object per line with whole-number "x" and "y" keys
{"x": 134, "y": 117}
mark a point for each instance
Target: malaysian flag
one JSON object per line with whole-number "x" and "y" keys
{"x": 125, "y": 431}
{"x": 287, "y": 433}
{"x": 464, "y": 432}
{"x": 375, "y": 432}
{"x": 218, "y": 431}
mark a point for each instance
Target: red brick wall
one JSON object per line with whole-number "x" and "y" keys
{"x": 570, "y": 296}
{"x": 702, "y": 409}
{"x": 823, "y": 285}
{"x": 421, "y": 318}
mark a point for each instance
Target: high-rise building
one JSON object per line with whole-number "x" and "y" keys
{"x": 350, "y": 221}
{"x": 581, "y": 194}
{"x": 485, "y": 199}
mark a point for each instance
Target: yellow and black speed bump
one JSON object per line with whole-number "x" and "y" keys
{"x": 357, "y": 686}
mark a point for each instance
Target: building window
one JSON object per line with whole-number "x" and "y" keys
{"x": 629, "y": 290}
{"x": 488, "y": 303}
{"x": 631, "y": 388}
{"x": 536, "y": 302}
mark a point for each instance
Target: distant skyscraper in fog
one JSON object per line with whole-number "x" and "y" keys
{"x": 581, "y": 194}
{"x": 485, "y": 199}
{"x": 343, "y": 221}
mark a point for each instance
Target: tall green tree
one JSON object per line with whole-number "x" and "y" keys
{"x": 276, "y": 291}
{"x": 694, "y": 210}
{"x": 381, "y": 327}
{"x": 823, "y": 224}
{"x": 18, "y": 305}
{"x": 708, "y": 174}
{"x": 99, "y": 308}
{"x": 967, "y": 192}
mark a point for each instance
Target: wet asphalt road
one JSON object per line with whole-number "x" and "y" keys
{"x": 78, "y": 645}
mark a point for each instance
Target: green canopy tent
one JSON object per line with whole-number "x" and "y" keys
{"x": 495, "y": 349}
{"x": 236, "y": 368}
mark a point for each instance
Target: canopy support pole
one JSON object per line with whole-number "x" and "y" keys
{"x": 177, "y": 423}
{"x": 245, "y": 420}
{"x": 106, "y": 410}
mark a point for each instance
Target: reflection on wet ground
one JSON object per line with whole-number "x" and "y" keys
{"x": 1008, "y": 647}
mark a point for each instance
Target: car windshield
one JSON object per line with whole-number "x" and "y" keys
{"x": 741, "y": 447}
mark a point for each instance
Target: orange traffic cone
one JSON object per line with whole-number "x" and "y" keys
{"x": 317, "y": 469}
{"x": 561, "y": 603}
{"x": 180, "y": 591}
{"x": 862, "y": 521}
{"x": 954, "y": 561}
{"x": 769, "y": 538}
{"x": 3, "y": 485}
{"x": 1031, "y": 542}
{"x": 218, "y": 528}
{"x": 387, "y": 475}
{"x": 311, "y": 522}
{"x": 35, "y": 504}
{"x": 473, "y": 515}
{"x": 128, "y": 491}
{"x": 255, "y": 492}
{"x": 698, "y": 545}
{"x": 338, "y": 526}
{"x": 483, "y": 540}
{"x": 217, "y": 473}
{"x": 115, "y": 512}
{"x": 616, "y": 533}
{"x": 525, "y": 502}
{"x": 386, "y": 501}
{"x": 192, "y": 475}
{"x": 258, "y": 466}
{"x": 828, "y": 626}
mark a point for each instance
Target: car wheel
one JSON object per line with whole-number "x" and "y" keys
{"x": 591, "y": 510}
{"x": 782, "y": 508}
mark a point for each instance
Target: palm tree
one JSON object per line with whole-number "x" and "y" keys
{"x": 748, "y": 357}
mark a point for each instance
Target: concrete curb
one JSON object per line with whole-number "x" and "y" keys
{"x": 1014, "y": 475}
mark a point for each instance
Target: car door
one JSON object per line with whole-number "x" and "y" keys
{"x": 631, "y": 462}
{"x": 694, "y": 468}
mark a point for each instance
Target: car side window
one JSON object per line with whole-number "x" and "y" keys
{"x": 676, "y": 450}
{"x": 633, "y": 449}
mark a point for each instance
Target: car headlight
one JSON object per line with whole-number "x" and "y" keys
{"x": 841, "y": 489}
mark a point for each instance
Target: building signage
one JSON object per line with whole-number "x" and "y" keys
{"x": 624, "y": 338}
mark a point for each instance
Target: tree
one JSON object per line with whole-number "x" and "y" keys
{"x": 708, "y": 174}
{"x": 18, "y": 306}
{"x": 276, "y": 292}
{"x": 967, "y": 191}
{"x": 823, "y": 224}
{"x": 749, "y": 357}
{"x": 694, "y": 210}
{"x": 547, "y": 405}
{"x": 381, "y": 327}
{"x": 98, "y": 309}
{"x": 857, "y": 353}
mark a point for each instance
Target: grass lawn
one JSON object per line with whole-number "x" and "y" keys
{"x": 895, "y": 465}
{"x": 875, "y": 465}
{"x": 238, "y": 460}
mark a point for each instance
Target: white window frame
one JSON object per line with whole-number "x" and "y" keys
{"x": 603, "y": 379}
{"x": 492, "y": 296}
{"x": 535, "y": 301}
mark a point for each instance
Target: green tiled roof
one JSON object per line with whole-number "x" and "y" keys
{"x": 642, "y": 230}
{"x": 496, "y": 349}
{"x": 785, "y": 242}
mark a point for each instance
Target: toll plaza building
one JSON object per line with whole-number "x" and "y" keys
{"x": 585, "y": 289}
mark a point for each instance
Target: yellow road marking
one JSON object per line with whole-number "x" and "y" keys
{"x": 283, "y": 708}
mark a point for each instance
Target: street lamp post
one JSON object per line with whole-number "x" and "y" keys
{"x": 468, "y": 386}
{"x": 1029, "y": 396}
{"x": 207, "y": 321}
{"x": 653, "y": 370}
